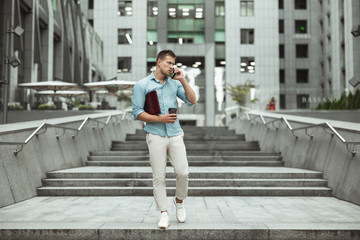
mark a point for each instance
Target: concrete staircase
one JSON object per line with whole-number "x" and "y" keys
{"x": 221, "y": 163}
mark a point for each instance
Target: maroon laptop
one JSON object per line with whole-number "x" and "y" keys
{"x": 152, "y": 103}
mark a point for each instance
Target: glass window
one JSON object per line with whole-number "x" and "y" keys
{"x": 300, "y": 4}
{"x": 124, "y": 36}
{"x": 302, "y": 75}
{"x": 219, "y": 36}
{"x": 186, "y": 22}
{"x": 301, "y": 50}
{"x": 124, "y": 64}
{"x": 282, "y": 50}
{"x": 91, "y": 4}
{"x": 246, "y": 8}
{"x": 281, "y": 26}
{"x": 219, "y": 9}
{"x": 282, "y": 75}
{"x": 247, "y": 36}
{"x": 300, "y": 26}
{"x": 125, "y": 7}
{"x": 281, "y": 4}
{"x": 282, "y": 101}
{"x": 247, "y": 65}
{"x": 302, "y": 101}
{"x": 153, "y": 9}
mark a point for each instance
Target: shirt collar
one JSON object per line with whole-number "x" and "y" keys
{"x": 152, "y": 77}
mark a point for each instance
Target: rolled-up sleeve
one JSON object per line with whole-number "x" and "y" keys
{"x": 182, "y": 94}
{"x": 138, "y": 100}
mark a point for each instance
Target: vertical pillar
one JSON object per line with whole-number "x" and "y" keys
{"x": 209, "y": 63}
{"x": 7, "y": 52}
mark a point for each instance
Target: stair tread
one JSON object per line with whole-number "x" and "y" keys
{"x": 195, "y": 179}
{"x": 217, "y": 188}
{"x": 244, "y": 169}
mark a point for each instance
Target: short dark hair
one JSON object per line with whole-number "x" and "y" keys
{"x": 163, "y": 53}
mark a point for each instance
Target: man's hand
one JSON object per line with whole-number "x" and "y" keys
{"x": 168, "y": 118}
{"x": 179, "y": 75}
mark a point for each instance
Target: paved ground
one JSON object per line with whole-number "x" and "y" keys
{"x": 203, "y": 212}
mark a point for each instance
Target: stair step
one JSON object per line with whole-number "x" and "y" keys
{"x": 192, "y": 191}
{"x": 187, "y": 137}
{"x": 192, "y": 175}
{"x": 233, "y": 143}
{"x": 189, "y": 153}
{"x": 138, "y": 182}
{"x": 191, "y": 163}
{"x": 190, "y": 158}
{"x": 194, "y": 147}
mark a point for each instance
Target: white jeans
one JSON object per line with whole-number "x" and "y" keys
{"x": 159, "y": 149}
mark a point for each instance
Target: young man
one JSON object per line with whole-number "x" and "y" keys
{"x": 164, "y": 135}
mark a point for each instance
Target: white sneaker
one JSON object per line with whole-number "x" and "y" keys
{"x": 180, "y": 211}
{"x": 164, "y": 221}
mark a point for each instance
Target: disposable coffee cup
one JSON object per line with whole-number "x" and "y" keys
{"x": 172, "y": 110}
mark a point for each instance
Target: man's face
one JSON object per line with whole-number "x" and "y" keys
{"x": 166, "y": 65}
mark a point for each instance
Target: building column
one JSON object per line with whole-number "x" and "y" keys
{"x": 210, "y": 63}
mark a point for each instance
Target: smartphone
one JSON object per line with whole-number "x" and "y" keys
{"x": 172, "y": 110}
{"x": 172, "y": 74}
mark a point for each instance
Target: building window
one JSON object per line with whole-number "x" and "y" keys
{"x": 246, "y": 8}
{"x": 302, "y": 75}
{"x": 124, "y": 36}
{"x": 329, "y": 63}
{"x": 219, "y": 9}
{"x": 125, "y": 8}
{"x": 282, "y": 101}
{"x": 300, "y": 4}
{"x": 187, "y": 11}
{"x": 302, "y": 101}
{"x": 124, "y": 64}
{"x": 247, "y": 36}
{"x": 281, "y": 26}
{"x": 186, "y": 23}
{"x": 300, "y": 26}
{"x": 282, "y": 75}
{"x": 301, "y": 51}
{"x": 282, "y": 50}
{"x": 281, "y": 4}
{"x": 152, "y": 9}
{"x": 247, "y": 65}
{"x": 91, "y": 4}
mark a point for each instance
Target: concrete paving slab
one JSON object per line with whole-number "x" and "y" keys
{"x": 207, "y": 218}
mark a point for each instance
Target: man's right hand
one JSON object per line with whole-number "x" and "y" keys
{"x": 168, "y": 118}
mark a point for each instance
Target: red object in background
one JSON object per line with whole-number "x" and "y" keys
{"x": 152, "y": 103}
{"x": 272, "y": 106}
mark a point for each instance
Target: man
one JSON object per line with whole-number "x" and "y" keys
{"x": 164, "y": 135}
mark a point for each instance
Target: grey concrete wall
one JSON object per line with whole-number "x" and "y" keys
{"x": 339, "y": 115}
{"x": 21, "y": 174}
{"x": 322, "y": 153}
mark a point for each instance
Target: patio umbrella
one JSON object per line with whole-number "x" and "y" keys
{"x": 63, "y": 93}
{"x": 49, "y": 85}
{"x": 111, "y": 86}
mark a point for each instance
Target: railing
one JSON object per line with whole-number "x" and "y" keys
{"x": 45, "y": 126}
{"x": 324, "y": 125}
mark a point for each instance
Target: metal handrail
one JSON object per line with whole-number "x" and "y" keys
{"x": 324, "y": 125}
{"x": 45, "y": 125}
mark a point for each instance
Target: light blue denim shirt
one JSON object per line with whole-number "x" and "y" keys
{"x": 167, "y": 94}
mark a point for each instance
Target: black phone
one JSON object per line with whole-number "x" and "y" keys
{"x": 172, "y": 74}
{"x": 172, "y": 110}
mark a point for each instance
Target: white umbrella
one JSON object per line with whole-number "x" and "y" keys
{"x": 111, "y": 86}
{"x": 49, "y": 85}
{"x": 63, "y": 93}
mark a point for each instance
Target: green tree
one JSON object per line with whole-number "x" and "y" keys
{"x": 239, "y": 92}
